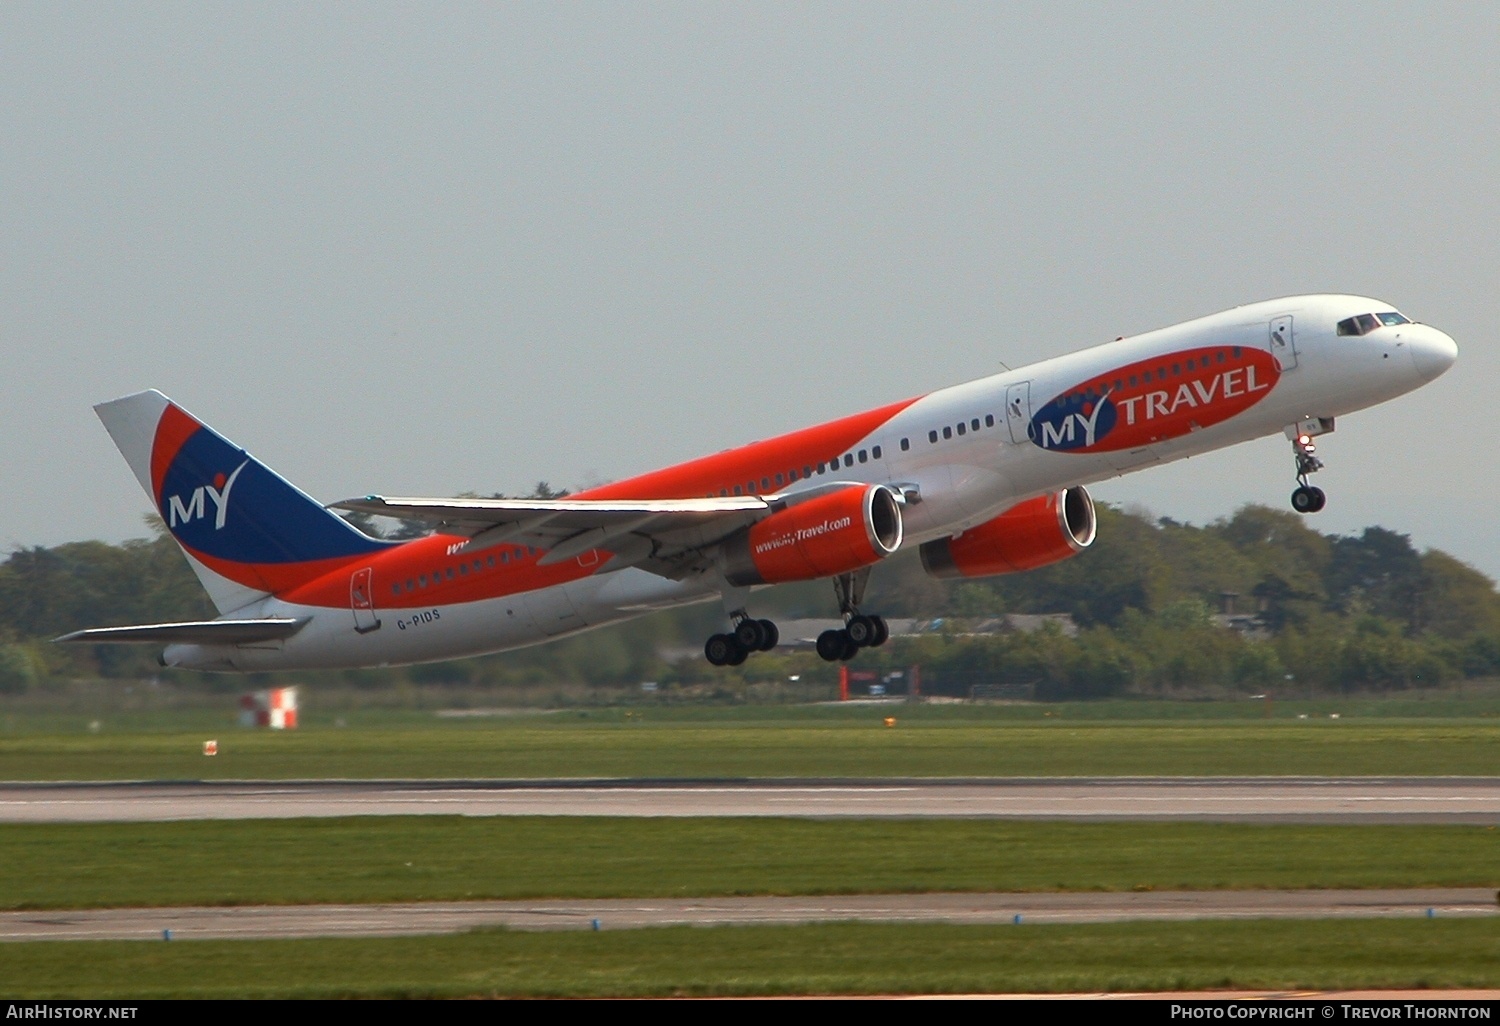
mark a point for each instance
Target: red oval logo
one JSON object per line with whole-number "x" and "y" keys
{"x": 1156, "y": 399}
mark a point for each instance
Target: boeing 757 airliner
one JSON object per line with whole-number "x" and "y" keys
{"x": 982, "y": 478}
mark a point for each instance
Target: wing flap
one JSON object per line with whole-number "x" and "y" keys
{"x": 669, "y": 537}
{"x": 196, "y": 632}
{"x": 569, "y": 527}
{"x": 559, "y": 517}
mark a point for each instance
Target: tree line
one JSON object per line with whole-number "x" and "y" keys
{"x": 1316, "y": 612}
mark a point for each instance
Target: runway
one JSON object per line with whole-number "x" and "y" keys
{"x": 1247, "y": 799}
{"x": 455, "y": 917}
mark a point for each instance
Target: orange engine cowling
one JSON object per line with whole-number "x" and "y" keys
{"x": 832, "y": 534}
{"x": 1028, "y": 535}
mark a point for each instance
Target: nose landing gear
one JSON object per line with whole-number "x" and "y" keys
{"x": 1306, "y": 498}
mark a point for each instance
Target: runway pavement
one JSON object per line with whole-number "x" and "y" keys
{"x": 455, "y": 917}
{"x": 1252, "y": 799}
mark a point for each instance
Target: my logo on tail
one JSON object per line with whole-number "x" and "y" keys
{"x": 196, "y": 508}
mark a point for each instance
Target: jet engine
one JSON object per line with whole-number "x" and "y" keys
{"x": 1030, "y": 534}
{"x": 831, "y": 534}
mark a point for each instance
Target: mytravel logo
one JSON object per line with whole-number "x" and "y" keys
{"x": 196, "y": 508}
{"x": 802, "y": 534}
{"x": 1156, "y": 399}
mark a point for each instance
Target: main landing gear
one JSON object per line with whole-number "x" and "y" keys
{"x": 1306, "y": 498}
{"x": 860, "y": 631}
{"x": 748, "y": 636}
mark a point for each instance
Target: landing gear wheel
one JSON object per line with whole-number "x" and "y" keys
{"x": 882, "y": 632}
{"x": 862, "y": 631}
{"x": 769, "y": 635}
{"x": 739, "y": 655}
{"x": 831, "y": 646}
{"x": 1308, "y": 499}
{"x": 749, "y": 634}
{"x": 720, "y": 649}
{"x": 851, "y": 647}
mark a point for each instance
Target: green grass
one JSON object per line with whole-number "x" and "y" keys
{"x": 619, "y": 743}
{"x": 849, "y": 958}
{"x": 375, "y": 859}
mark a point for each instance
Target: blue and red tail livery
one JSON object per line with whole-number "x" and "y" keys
{"x": 232, "y": 515}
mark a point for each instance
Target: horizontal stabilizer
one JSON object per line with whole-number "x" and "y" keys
{"x": 196, "y": 632}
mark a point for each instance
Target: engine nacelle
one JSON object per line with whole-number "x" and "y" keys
{"x": 832, "y": 534}
{"x": 1034, "y": 533}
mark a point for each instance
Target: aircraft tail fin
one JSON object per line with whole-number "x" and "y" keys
{"x": 247, "y": 532}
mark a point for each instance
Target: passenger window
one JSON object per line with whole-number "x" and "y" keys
{"x": 1235, "y": 352}
{"x": 932, "y": 436}
{"x": 1118, "y": 384}
{"x": 1132, "y": 381}
{"x": 765, "y": 483}
{"x": 423, "y": 580}
{"x": 490, "y": 561}
{"x": 875, "y": 452}
{"x": 848, "y": 459}
{"x": 864, "y": 456}
{"x": 974, "y": 423}
{"x": 411, "y": 585}
{"x": 989, "y": 420}
{"x": 1176, "y": 369}
{"x": 1219, "y": 356}
{"x": 749, "y": 487}
{"x": 396, "y": 588}
{"x": 463, "y": 570}
{"x": 947, "y": 432}
{"x": 961, "y": 428}
{"x": 780, "y": 480}
{"x": 822, "y": 468}
{"x": 450, "y": 573}
{"x": 807, "y": 471}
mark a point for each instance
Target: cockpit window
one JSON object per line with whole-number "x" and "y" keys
{"x": 1365, "y": 323}
{"x": 1391, "y": 317}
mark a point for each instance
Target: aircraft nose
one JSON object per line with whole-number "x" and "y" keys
{"x": 1432, "y": 352}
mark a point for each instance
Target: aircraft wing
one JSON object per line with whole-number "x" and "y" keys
{"x": 195, "y": 632}
{"x": 665, "y": 536}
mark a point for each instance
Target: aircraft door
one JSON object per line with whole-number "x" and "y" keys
{"x": 1283, "y": 342}
{"x": 1018, "y": 411}
{"x": 362, "y": 601}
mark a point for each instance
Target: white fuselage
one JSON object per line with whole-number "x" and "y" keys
{"x": 961, "y": 478}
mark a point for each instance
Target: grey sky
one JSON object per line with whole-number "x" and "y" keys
{"x": 429, "y": 248}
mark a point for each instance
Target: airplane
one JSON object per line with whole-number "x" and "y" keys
{"x": 983, "y": 478}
